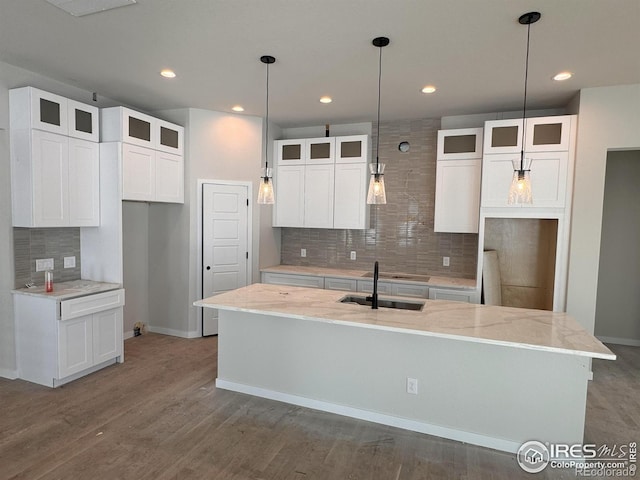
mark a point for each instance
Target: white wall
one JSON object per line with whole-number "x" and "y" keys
{"x": 135, "y": 268}
{"x": 609, "y": 119}
{"x": 618, "y": 302}
{"x": 218, "y": 146}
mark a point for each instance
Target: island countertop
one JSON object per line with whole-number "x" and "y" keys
{"x": 506, "y": 326}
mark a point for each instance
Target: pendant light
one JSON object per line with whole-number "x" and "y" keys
{"x": 265, "y": 193}
{"x": 377, "y": 194}
{"x": 520, "y": 190}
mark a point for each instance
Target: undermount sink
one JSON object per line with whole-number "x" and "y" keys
{"x": 399, "y": 276}
{"x": 384, "y": 303}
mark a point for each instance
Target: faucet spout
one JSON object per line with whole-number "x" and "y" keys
{"x": 374, "y": 296}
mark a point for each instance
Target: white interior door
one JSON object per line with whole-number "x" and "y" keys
{"x": 225, "y": 244}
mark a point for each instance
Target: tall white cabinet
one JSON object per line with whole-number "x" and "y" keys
{"x": 152, "y": 155}
{"x": 321, "y": 182}
{"x": 55, "y": 160}
{"x": 458, "y": 176}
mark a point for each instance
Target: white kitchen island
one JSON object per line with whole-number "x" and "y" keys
{"x": 491, "y": 376}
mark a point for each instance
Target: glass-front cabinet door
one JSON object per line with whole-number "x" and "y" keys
{"x": 320, "y": 150}
{"x": 290, "y": 152}
{"x": 48, "y": 112}
{"x": 352, "y": 149}
{"x": 139, "y": 129}
{"x": 460, "y": 144}
{"x": 503, "y": 136}
{"x": 170, "y": 137}
{"x": 83, "y": 121}
{"x": 548, "y": 134}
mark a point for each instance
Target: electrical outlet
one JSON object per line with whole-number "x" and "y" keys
{"x": 303, "y": 252}
{"x": 412, "y": 386}
{"x": 70, "y": 262}
{"x": 44, "y": 264}
{"x": 353, "y": 255}
{"x": 445, "y": 261}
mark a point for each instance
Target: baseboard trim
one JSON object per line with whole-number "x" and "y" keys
{"x": 8, "y": 374}
{"x": 375, "y": 417}
{"x": 630, "y": 342}
{"x": 173, "y": 332}
{"x": 127, "y": 335}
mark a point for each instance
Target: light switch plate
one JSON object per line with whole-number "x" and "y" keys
{"x": 445, "y": 261}
{"x": 70, "y": 262}
{"x": 353, "y": 255}
{"x": 44, "y": 264}
{"x": 303, "y": 252}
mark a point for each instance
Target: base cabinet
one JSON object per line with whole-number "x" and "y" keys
{"x": 454, "y": 295}
{"x": 59, "y": 341}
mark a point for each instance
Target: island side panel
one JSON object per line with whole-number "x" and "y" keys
{"x": 490, "y": 395}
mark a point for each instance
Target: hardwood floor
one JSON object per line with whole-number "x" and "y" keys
{"x": 159, "y": 416}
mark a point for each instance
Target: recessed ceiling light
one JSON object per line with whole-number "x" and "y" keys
{"x": 237, "y": 108}
{"x": 429, "y": 89}
{"x": 326, "y": 99}
{"x": 167, "y": 73}
{"x": 562, "y": 76}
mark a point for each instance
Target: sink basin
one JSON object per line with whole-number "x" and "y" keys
{"x": 384, "y": 303}
{"x": 399, "y": 276}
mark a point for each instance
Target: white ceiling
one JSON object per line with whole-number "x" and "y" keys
{"x": 472, "y": 50}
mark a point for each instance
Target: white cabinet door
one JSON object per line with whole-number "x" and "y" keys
{"x": 170, "y": 137}
{"x": 548, "y": 179}
{"x": 83, "y": 121}
{"x": 318, "y": 195}
{"x": 138, "y": 173}
{"x": 75, "y": 345}
{"x": 293, "y": 280}
{"x": 503, "y": 136}
{"x": 350, "y": 207}
{"x": 289, "y": 206}
{"x": 409, "y": 290}
{"x": 320, "y": 150}
{"x": 50, "y": 163}
{"x": 457, "y": 196}
{"x": 352, "y": 149}
{"x": 107, "y": 335}
{"x": 337, "y": 283}
{"x": 460, "y": 144}
{"x": 290, "y": 152}
{"x": 48, "y": 112}
{"x": 84, "y": 183}
{"x": 169, "y": 171}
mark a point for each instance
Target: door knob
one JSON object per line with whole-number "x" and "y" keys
{"x": 208, "y": 267}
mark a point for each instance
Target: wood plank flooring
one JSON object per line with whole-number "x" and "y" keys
{"x": 159, "y": 416}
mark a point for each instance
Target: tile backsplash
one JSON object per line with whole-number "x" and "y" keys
{"x": 31, "y": 244}
{"x": 401, "y": 236}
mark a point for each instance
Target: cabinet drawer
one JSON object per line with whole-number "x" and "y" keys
{"x": 293, "y": 280}
{"x": 409, "y": 290}
{"x": 77, "y": 307}
{"x": 347, "y": 284}
{"x": 366, "y": 286}
{"x": 453, "y": 295}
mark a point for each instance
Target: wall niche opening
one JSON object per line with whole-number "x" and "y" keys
{"x": 526, "y": 257}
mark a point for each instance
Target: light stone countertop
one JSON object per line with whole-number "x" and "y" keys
{"x": 507, "y": 326}
{"x": 68, "y": 290}
{"x": 432, "y": 281}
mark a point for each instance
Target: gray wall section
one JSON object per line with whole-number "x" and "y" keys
{"x": 609, "y": 119}
{"x": 135, "y": 243}
{"x": 618, "y": 302}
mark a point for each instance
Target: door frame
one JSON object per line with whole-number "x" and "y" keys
{"x": 200, "y": 232}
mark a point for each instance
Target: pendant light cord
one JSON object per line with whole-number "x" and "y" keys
{"x": 379, "y": 94}
{"x": 266, "y": 142}
{"x": 524, "y": 106}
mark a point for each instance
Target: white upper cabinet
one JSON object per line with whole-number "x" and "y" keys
{"x": 544, "y": 134}
{"x": 121, "y": 124}
{"x": 458, "y": 178}
{"x": 40, "y": 110}
{"x": 290, "y": 152}
{"x": 460, "y": 144}
{"x": 55, "y": 178}
{"x": 138, "y": 173}
{"x": 83, "y": 121}
{"x": 321, "y": 182}
{"x": 169, "y": 178}
{"x": 352, "y": 149}
{"x": 320, "y": 150}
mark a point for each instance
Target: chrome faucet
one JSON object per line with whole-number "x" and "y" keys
{"x": 374, "y": 297}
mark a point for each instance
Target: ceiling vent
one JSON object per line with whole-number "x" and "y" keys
{"x": 80, "y": 8}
